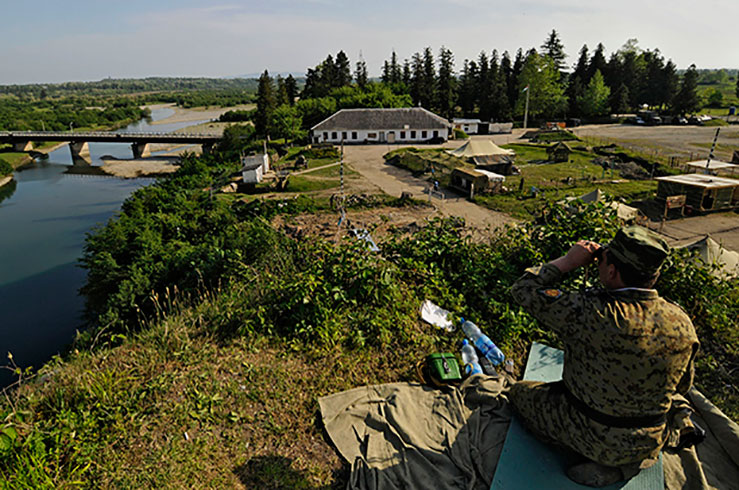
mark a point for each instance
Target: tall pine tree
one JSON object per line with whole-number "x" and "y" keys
{"x": 342, "y": 70}
{"x": 265, "y": 104}
{"x": 554, "y": 48}
{"x": 446, "y": 86}
{"x": 360, "y": 73}
{"x": 687, "y": 99}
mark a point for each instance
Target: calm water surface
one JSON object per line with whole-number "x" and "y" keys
{"x": 44, "y": 217}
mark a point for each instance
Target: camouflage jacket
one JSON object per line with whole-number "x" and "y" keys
{"x": 627, "y": 351}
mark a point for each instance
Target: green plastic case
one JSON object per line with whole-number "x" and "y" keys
{"x": 443, "y": 367}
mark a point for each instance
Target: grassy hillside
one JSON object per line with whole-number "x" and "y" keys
{"x": 214, "y": 333}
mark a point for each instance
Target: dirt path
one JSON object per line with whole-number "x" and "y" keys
{"x": 369, "y": 162}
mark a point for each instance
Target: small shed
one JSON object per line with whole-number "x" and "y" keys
{"x": 559, "y": 152}
{"x": 469, "y": 126}
{"x": 702, "y": 192}
{"x": 254, "y": 167}
{"x": 473, "y": 182}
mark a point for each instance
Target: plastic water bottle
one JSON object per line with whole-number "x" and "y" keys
{"x": 469, "y": 359}
{"x": 482, "y": 342}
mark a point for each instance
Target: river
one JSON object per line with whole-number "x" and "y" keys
{"x": 44, "y": 217}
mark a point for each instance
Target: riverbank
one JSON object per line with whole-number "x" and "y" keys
{"x": 195, "y": 114}
{"x": 5, "y": 180}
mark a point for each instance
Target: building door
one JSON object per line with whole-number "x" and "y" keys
{"x": 391, "y": 137}
{"x": 382, "y": 136}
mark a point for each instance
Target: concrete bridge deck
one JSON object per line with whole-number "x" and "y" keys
{"x": 78, "y": 140}
{"x": 107, "y": 136}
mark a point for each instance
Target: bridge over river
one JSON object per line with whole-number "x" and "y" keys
{"x": 78, "y": 140}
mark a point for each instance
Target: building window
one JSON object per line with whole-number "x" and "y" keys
{"x": 333, "y": 135}
{"x": 436, "y": 134}
{"x": 423, "y": 134}
{"x": 371, "y": 135}
{"x": 354, "y": 135}
{"x": 413, "y": 134}
{"x": 325, "y": 135}
{"x": 402, "y": 135}
{"x": 343, "y": 135}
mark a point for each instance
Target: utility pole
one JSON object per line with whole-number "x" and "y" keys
{"x": 526, "y": 111}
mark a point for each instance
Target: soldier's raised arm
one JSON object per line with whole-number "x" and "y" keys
{"x": 536, "y": 291}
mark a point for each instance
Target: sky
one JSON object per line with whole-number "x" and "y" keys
{"x": 49, "y": 41}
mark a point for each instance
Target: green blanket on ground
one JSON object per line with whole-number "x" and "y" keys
{"x": 406, "y": 435}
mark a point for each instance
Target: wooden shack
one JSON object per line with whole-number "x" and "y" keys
{"x": 473, "y": 182}
{"x": 559, "y": 152}
{"x": 702, "y": 192}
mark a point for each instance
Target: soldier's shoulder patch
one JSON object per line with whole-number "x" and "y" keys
{"x": 550, "y": 294}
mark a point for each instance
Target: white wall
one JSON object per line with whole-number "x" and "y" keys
{"x": 252, "y": 176}
{"x": 374, "y": 136}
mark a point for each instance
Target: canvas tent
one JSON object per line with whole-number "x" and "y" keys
{"x": 480, "y": 148}
{"x": 711, "y": 252}
{"x": 626, "y": 213}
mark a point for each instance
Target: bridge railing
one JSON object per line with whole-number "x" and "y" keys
{"x": 104, "y": 134}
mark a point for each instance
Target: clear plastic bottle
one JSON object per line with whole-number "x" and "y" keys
{"x": 482, "y": 342}
{"x": 469, "y": 359}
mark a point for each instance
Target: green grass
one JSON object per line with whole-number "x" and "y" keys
{"x": 524, "y": 207}
{"x": 553, "y": 136}
{"x": 13, "y": 158}
{"x": 299, "y": 183}
{"x": 332, "y": 172}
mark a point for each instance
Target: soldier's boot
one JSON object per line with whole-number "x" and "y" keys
{"x": 596, "y": 475}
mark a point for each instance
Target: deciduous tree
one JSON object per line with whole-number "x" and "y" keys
{"x": 546, "y": 95}
{"x": 594, "y": 99}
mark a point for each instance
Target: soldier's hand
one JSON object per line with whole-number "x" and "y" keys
{"x": 580, "y": 254}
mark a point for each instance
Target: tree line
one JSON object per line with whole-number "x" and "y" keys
{"x": 492, "y": 87}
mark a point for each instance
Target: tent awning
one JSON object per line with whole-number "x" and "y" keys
{"x": 478, "y": 148}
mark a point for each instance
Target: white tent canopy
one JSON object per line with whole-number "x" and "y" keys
{"x": 480, "y": 148}
{"x": 626, "y": 213}
{"x": 711, "y": 252}
{"x": 712, "y": 166}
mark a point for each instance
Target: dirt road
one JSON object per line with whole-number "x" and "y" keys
{"x": 686, "y": 142}
{"x": 724, "y": 228}
{"x": 369, "y": 162}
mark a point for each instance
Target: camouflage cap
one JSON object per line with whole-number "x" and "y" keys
{"x": 640, "y": 248}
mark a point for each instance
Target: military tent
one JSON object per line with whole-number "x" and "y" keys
{"x": 711, "y": 252}
{"x": 480, "y": 148}
{"x": 626, "y": 213}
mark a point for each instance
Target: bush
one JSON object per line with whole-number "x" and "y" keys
{"x": 460, "y": 135}
{"x": 5, "y": 168}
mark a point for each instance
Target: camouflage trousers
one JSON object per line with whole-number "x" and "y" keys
{"x": 545, "y": 410}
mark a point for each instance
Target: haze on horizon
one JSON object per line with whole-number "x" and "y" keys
{"x": 49, "y": 41}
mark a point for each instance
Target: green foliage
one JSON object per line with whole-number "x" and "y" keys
{"x": 57, "y": 114}
{"x": 340, "y": 303}
{"x": 687, "y": 99}
{"x": 546, "y": 94}
{"x": 460, "y": 134}
{"x": 5, "y": 168}
{"x": 594, "y": 100}
{"x": 237, "y": 116}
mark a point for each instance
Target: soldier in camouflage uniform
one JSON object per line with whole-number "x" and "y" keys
{"x": 628, "y": 355}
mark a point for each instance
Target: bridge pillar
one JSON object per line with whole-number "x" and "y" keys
{"x": 207, "y": 148}
{"x": 141, "y": 150}
{"x": 80, "y": 152}
{"x": 22, "y": 146}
